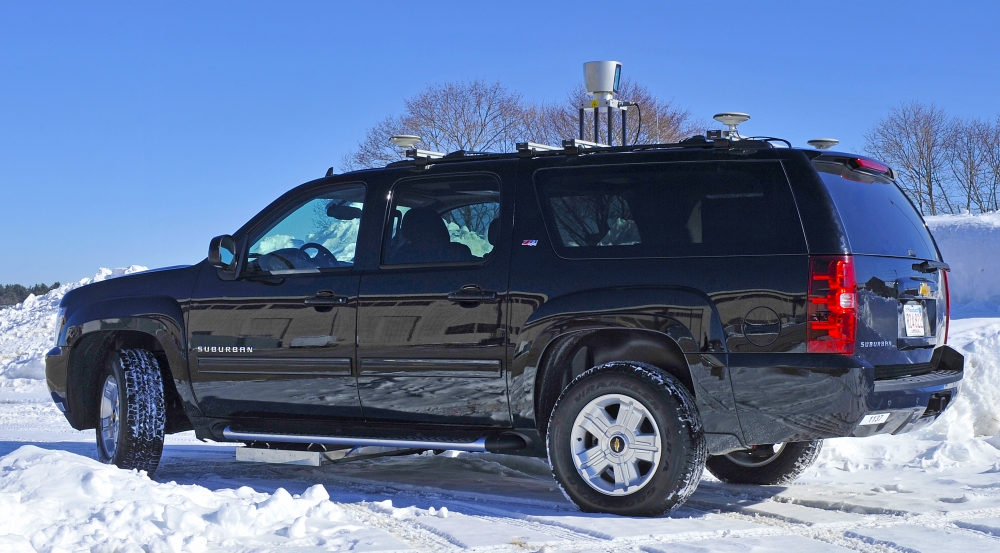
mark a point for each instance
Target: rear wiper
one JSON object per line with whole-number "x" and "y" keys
{"x": 930, "y": 266}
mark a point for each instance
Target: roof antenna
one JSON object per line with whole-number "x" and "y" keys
{"x": 823, "y": 143}
{"x": 731, "y": 119}
{"x": 405, "y": 141}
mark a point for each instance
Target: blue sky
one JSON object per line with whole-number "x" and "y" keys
{"x": 134, "y": 132}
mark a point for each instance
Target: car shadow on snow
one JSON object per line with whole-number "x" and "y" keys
{"x": 472, "y": 481}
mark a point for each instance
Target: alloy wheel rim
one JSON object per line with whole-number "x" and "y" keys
{"x": 110, "y": 417}
{"x": 616, "y": 445}
{"x": 757, "y": 456}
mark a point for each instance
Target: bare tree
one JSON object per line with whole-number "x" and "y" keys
{"x": 966, "y": 154}
{"x": 479, "y": 116}
{"x": 660, "y": 121}
{"x": 471, "y": 116}
{"x": 912, "y": 138}
{"x": 991, "y": 157}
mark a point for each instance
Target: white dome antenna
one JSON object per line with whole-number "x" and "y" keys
{"x": 731, "y": 119}
{"x": 405, "y": 141}
{"x": 823, "y": 143}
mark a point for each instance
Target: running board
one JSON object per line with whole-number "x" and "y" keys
{"x": 491, "y": 444}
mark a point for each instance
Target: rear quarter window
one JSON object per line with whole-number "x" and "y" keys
{"x": 877, "y": 216}
{"x": 670, "y": 210}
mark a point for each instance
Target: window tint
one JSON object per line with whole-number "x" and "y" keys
{"x": 668, "y": 210}
{"x": 878, "y": 218}
{"x": 443, "y": 220}
{"x": 320, "y": 233}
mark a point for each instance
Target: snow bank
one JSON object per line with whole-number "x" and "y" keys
{"x": 971, "y": 245}
{"x": 103, "y": 508}
{"x": 27, "y": 331}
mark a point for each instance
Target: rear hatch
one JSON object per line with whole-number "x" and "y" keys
{"x": 902, "y": 299}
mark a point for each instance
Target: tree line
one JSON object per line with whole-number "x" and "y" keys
{"x": 489, "y": 117}
{"x": 945, "y": 164}
{"x": 13, "y": 294}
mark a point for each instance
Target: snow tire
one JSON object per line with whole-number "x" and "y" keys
{"x": 787, "y": 464}
{"x": 671, "y": 413}
{"x": 134, "y": 438}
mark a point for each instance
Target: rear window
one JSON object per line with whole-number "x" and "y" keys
{"x": 877, "y": 216}
{"x": 670, "y": 210}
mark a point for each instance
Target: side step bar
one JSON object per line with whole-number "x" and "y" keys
{"x": 491, "y": 444}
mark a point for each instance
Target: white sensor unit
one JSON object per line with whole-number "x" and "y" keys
{"x": 405, "y": 141}
{"x": 731, "y": 119}
{"x": 602, "y": 77}
{"x": 823, "y": 143}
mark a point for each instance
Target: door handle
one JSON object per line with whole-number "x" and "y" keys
{"x": 325, "y": 297}
{"x": 472, "y": 293}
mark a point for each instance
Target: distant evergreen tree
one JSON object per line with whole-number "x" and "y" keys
{"x": 12, "y": 294}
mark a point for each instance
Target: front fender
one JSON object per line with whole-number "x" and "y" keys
{"x": 159, "y": 316}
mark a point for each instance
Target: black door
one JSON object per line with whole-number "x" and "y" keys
{"x": 281, "y": 339}
{"x": 432, "y": 321}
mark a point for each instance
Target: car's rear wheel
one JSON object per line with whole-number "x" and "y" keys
{"x": 131, "y": 412}
{"x": 767, "y": 464}
{"x": 625, "y": 438}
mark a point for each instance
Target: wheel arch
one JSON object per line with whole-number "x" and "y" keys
{"x": 569, "y": 354}
{"x": 99, "y": 329}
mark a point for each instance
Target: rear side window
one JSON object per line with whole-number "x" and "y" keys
{"x": 878, "y": 218}
{"x": 670, "y": 210}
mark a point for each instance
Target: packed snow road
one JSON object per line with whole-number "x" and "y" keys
{"x": 934, "y": 490}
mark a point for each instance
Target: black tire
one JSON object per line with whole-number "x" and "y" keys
{"x": 140, "y": 415}
{"x": 781, "y": 467}
{"x": 672, "y": 415}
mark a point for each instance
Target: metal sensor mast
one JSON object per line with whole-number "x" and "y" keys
{"x": 602, "y": 79}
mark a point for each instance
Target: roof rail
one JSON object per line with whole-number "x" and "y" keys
{"x": 577, "y": 147}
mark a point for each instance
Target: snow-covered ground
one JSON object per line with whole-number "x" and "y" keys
{"x": 933, "y": 490}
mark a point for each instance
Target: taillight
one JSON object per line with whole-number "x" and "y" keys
{"x": 832, "y": 314}
{"x": 947, "y": 306}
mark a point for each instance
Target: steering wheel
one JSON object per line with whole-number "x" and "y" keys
{"x": 273, "y": 262}
{"x": 322, "y": 255}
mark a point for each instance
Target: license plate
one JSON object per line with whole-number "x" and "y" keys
{"x": 913, "y": 316}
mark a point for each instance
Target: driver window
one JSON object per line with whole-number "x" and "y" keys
{"x": 319, "y": 234}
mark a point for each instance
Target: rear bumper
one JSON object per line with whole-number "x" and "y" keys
{"x": 801, "y": 397}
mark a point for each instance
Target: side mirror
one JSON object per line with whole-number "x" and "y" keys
{"x": 222, "y": 252}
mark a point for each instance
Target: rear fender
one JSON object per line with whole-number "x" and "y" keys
{"x": 678, "y": 330}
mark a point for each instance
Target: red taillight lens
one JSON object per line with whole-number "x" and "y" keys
{"x": 947, "y": 305}
{"x": 832, "y": 314}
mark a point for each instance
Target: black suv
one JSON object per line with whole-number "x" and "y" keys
{"x": 632, "y": 313}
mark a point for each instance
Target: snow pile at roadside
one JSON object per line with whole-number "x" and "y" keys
{"x": 103, "y": 508}
{"x": 971, "y": 245}
{"x": 27, "y": 330}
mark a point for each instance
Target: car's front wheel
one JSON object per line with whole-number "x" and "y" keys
{"x": 625, "y": 438}
{"x": 767, "y": 464}
{"x": 131, "y": 412}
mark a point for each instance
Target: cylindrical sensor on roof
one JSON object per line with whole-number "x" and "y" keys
{"x": 602, "y": 77}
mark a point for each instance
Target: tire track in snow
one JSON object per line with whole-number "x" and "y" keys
{"x": 408, "y": 532}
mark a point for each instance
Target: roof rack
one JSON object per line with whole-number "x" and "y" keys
{"x": 575, "y": 146}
